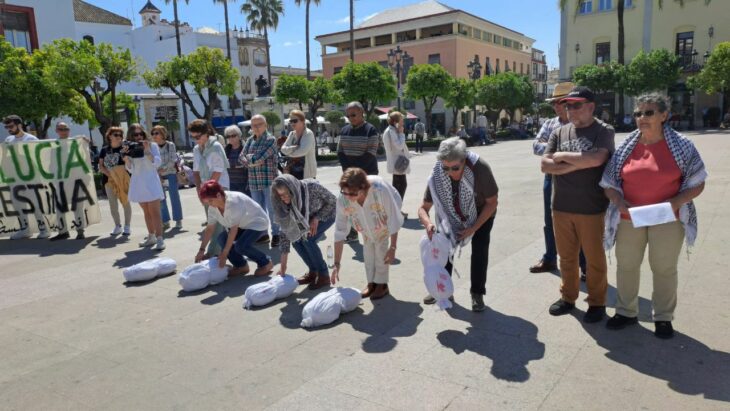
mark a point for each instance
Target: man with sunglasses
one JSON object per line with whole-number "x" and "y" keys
{"x": 576, "y": 155}
{"x": 358, "y": 146}
{"x": 63, "y": 132}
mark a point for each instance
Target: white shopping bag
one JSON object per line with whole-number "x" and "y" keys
{"x": 144, "y": 271}
{"x": 435, "y": 251}
{"x": 439, "y": 285}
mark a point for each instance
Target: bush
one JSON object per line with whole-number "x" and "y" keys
{"x": 272, "y": 118}
{"x": 327, "y": 157}
{"x": 431, "y": 143}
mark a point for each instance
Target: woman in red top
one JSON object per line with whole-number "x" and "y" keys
{"x": 649, "y": 168}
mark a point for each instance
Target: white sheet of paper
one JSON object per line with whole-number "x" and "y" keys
{"x": 654, "y": 214}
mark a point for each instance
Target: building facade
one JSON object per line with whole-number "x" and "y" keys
{"x": 538, "y": 74}
{"x": 691, "y": 32}
{"x": 432, "y": 33}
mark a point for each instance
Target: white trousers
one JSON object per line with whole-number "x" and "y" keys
{"x": 374, "y": 255}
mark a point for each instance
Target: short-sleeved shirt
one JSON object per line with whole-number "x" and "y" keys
{"x": 216, "y": 164}
{"x": 650, "y": 175}
{"x": 578, "y": 192}
{"x": 26, "y": 137}
{"x": 240, "y": 210}
{"x": 484, "y": 185}
{"x": 110, "y": 157}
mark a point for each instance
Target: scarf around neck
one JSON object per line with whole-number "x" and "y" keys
{"x": 292, "y": 222}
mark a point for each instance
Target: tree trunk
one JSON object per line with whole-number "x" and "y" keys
{"x": 352, "y": 31}
{"x": 212, "y": 96}
{"x": 228, "y": 33}
{"x": 115, "y": 122}
{"x": 455, "y": 113}
{"x": 182, "y": 85}
{"x": 268, "y": 56}
{"x": 427, "y": 109}
{"x": 177, "y": 28}
{"x": 621, "y": 57}
{"x": 306, "y": 29}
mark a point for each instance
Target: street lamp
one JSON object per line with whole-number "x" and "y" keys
{"x": 137, "y": 100}
{"x": 395, "y": 58}
{"x": 474, "y": 68}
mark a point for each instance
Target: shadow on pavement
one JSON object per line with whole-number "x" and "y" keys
{"x": 110, "y": 242}
{"x": 44, "y": 248}
{"x": 357, "y": 249}
{"x": 688, "y": 366}
{"x": 510, "y": 342}
{"x": 136, "y": 256}
{"x": 412, "y": 224}
{"x": 231, "y": 288}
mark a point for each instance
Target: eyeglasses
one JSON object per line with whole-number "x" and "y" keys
{"x": 117, "y": 135}
{"x": 647, "y": 113}
{"x": 257, "y": 125}
{"x": 138, "y": 134}
{"x": 452, "y": 168}
{"x": 231, "y": 135}
{"x": 348, "y": 194}
{"x": 574, "y": 106}
{"x": 156, "y": 133}
{"x": 353, "y": 115}
{"x": 62, "y": 129}
{"x": 294, "y": 120}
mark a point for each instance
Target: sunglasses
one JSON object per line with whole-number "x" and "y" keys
{"x": 452, "y": 168}
{"x": 196, "y": 136}
{"x": 294, "y": 120}
{"x": 154, "y": 133}
{"x": 647, "y": 113}
{"x": 231, "y": 136}
{"x": 62, "y": 129}
{"x": 117, "y": 135}
{"x": 348, "y": 194}
{"x": 574, "y": 106}
{"x": 138, "y": 134}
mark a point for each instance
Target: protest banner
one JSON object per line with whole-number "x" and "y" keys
{"x": 47, "y": 184}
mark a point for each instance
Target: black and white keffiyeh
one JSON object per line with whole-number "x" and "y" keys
{"x": 693, "y": 174}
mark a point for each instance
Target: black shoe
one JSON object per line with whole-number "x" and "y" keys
{"x": 561, "y": 307}
{"x": 60, "y": 236}
{"x": 594, "y": 314}
{"x": 619, "y": 322}
{"x": 663, "y": 329}
{"x": 351, "y": 238}
{"x": 274, "y": 241}
{"x": 428, "y": 300}
{"x": 477, "y": 303}
{"x": 80, "y": 235}
{"x": 264, "y": 239}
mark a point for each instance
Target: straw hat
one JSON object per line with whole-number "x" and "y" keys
{"x": 561, "y": 90}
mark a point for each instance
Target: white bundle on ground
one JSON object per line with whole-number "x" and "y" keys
{"x": 150, "y": 269}
{"x": 439, "y": 285}
{"x": 198, "y": 276}
{"x": 264, "y": 293}
{"x": 326, "y": 307}
{"x": 435, "y": 251}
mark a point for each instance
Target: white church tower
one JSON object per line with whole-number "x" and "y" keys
{"x": 150, "y": 14}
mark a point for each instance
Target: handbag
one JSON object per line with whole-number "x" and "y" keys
{"x": 401, "y": 164}
{"x": 295, "y": 167}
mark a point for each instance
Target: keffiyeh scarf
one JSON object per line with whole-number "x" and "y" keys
{"x": 292, "y": 222}
{"x": 693, "y": 174}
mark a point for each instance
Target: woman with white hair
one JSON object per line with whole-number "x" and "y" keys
{"x": 237, "y": 173}
{"x": 300, "y": 148}
{"x": 463, "y": 189}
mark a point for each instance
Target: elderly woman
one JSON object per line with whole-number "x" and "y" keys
{"x": 168, "y": 173}
{"x": 244, "y": 221}
{"x": 464, "y": 191}
{"x": 396, "y": 152}
{"x": 260, "y": 157}
{"x": 304, "y": 210}
{"x": 236, "y": 171}
{"x": 115, "y": 179}
{"x": 654, "y": 165}
{"x": 371, "y": 206}
{"x": 209, "y": 163}
{"x": 300, "y": 148}
{"x": 145, "y": 187}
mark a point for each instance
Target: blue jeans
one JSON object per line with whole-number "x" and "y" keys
{"x": 244, "y": 247}
{"x": 174, "y": 195}
{"x": 482, "y": 135}
{"x": 310, "y": 252}
{"x": 263, "y": 198}
{"x": 551, "y": 253}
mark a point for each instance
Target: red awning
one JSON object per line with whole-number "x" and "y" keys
{"x": 384, "y": 109}
{"x": 410, "y": 116}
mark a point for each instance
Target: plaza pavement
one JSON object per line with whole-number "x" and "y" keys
{"x": 75, "y": 337}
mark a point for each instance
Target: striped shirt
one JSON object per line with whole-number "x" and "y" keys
{"x": 540, "y": 142}
{"x": 358, "y": 141}
{"x": 260, "y": 155}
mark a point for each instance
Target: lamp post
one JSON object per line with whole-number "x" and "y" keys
{"x": 396, "y": 57}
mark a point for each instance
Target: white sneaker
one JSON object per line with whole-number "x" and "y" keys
{"x": 178, "y": 224}
{"x": 126, "y": 230}
{"x": 19, "y": 235}
{"x": 43, "y": 235}
{"x": 117, "y": 230}
{"x": 160, "y": 244}
{"x": 149, "y": 240}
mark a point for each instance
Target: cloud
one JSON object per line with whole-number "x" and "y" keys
{"x": 292, "y": 43}
{"x": 346, "y": 19}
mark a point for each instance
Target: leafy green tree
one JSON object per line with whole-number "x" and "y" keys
{"x": 601, "y": 78}
{"x": 427, "y": 82}
{"x": 461, "y": 94}
{"x": 225, "y": 17}
{"x": 206, "y": 70}
{"x": 263, "y": 15}
{"x": 504, "y": 91}
{"x": 177, "y": 23}
{"x": 314, "y": 94}
{"x": 272, "y": 119}
{"x": 94, "y": 72}
{"x": 307, "y": 3}
{"x": 335, "y": 117}
{"x": 715, "y": 75}
{"x": 368, "y": 83}
{"x": 657, "y": 70}
{"x": 292, "y": 89}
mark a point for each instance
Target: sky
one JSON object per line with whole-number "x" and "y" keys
{"x": 538, "y": 19}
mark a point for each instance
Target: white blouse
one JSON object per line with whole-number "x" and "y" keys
{"x": 240, "y": 210}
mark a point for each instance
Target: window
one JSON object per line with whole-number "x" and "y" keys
{"x": 506, "y": 66}
{"x": 534, "y": 70}
{"x": 434, "y": 59}
{"x": 487, "y": 67}
{"x": 603, "y": 53}
{"x": 507, "y": 42}
{"x": 464, "y": 30}
{"x": 477, "y": 33}
{"x": 496, "y": 70}
{"x": 522, "y": 68}
{"x": 497, "y": 39}
{"x": 337, "y": 69}
{"x": 487, "y": 36}
{"x": 17, "y": 24}
{"x": 586, "y": 6}
{"x": 684, "y": 47}
{"x": 604, "y": 5}
{"x": 89, "y": 38}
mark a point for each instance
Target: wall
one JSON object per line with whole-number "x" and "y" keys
{"x": 53, "y": 19}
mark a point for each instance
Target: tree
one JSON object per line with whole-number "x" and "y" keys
{"x": 177, "y": 24}
{"x": 601, "y": 78}
{"x": 427, "y": 82}
{"x": 204, "y": 69}
{"x": 352, "y": 31}
{"x": 368, "y": 83}
{"x": 461, "y": 94}
{"x": 715, "y": 75}
{"x": 272, "y": 119}
{"x": 93, "y": 71}
{"x": 504, "y": 91}
{"x": 306, "y": 30}
{"x": 225, "y": 16}
{"x": 292, "y": 89}
{"x": 657, "y": 70}
{"x": 30, "y": 91}
{"x": 262, "y": 15}
{"x": 313, "y": 93}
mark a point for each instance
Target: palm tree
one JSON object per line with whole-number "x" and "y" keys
{"x": 262, "y": 14}
{"x": 177, "y": 23}
{"x": 352, "y": 30}
{"x": 225, "y": 14}
{"x": 307, "y": 3}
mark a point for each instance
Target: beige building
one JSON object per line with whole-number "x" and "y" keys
{"x": 432, "y": 33}
{"x": 591, "y": 37}
{"x": 538, "y": 74}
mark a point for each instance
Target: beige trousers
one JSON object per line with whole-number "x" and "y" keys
{"x": 114, "y": 207}
{"x": 373, "y": 255}
{"x": 665, "y": 244}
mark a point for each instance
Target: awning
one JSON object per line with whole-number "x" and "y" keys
{"x": 384, "y": 109}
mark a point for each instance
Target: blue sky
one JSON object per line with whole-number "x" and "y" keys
{"x": 538, "y": 19}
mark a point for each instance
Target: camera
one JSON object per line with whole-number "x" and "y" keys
{"x": 134, "y": 149}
